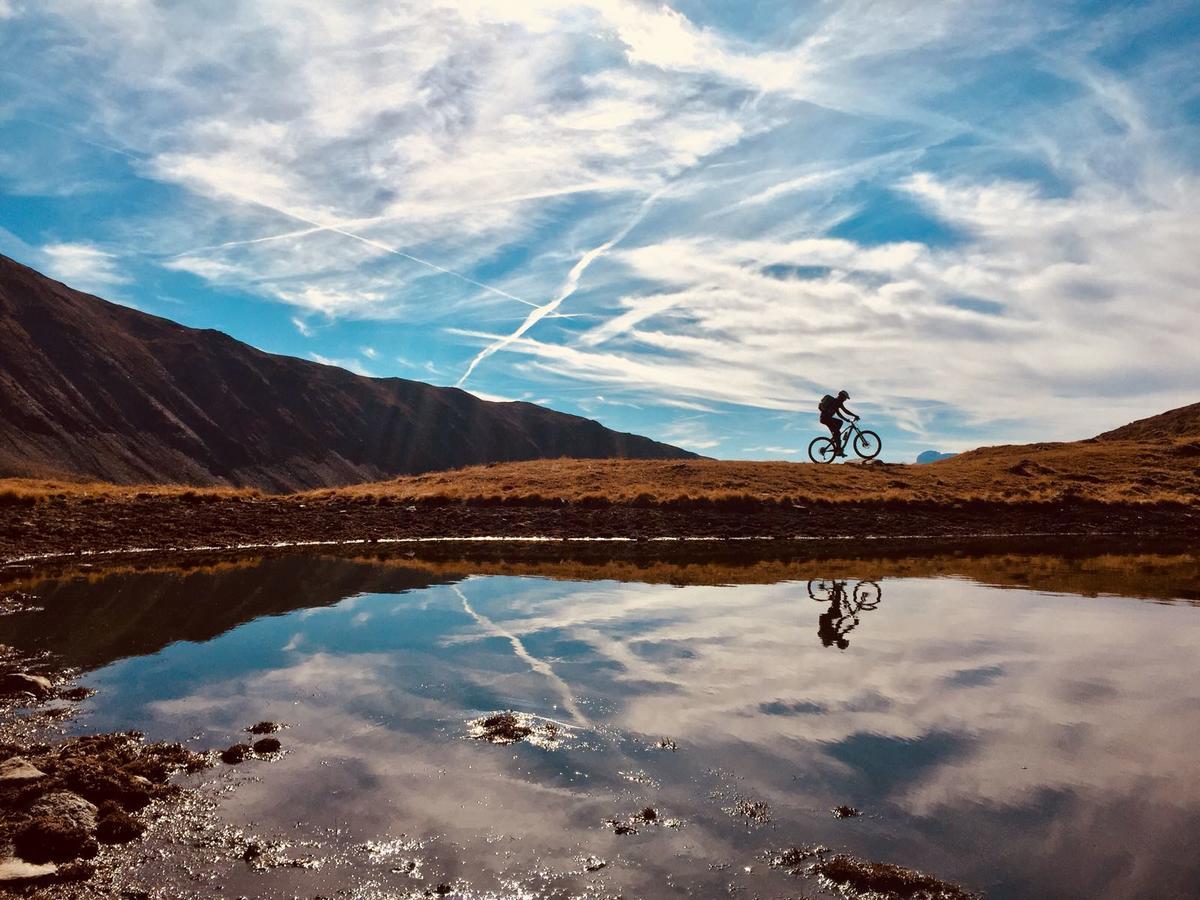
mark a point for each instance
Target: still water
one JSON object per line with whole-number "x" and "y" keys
{"x": 1025, "y": 726}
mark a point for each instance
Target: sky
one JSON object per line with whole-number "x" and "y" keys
{"x": 689, "y": 221}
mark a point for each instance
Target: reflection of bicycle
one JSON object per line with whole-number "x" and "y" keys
{"x": 866, "y": 594}
{"x": 844, "y": 606}
{"x": 865, "y": 443}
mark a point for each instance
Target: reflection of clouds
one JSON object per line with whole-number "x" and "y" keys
{"x": 540, "y": 666}
{"x": 1047, "y": 695}
{"x": 985, "y": 726}
{"x": 363, "y": 759}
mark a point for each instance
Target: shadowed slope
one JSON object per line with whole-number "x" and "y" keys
{"x": 92, "y": 389}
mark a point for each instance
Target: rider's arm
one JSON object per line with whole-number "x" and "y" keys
{"x": 846, "y": 412}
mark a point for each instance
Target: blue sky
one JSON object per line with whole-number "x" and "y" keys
{"x": 688, "y": 221}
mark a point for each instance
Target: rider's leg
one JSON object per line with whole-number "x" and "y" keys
{"x": 834, "y": 427}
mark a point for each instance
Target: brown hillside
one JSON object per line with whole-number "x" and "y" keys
{"x": 1175, "y": 423}
{"x": 93, "y": 390}
{"x": 1105, "y": 472}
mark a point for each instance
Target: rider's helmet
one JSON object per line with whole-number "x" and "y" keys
{"x": 843, "y": 395}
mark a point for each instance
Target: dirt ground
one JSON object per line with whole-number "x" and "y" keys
{"x": 74, "y": 524}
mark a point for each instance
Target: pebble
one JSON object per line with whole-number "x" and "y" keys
{"x": 14, "y": 871}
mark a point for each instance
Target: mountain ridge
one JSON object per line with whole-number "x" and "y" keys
{"x": 92, "y": 389}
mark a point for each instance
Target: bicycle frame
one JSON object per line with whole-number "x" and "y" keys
{"x": 850, "y": 428}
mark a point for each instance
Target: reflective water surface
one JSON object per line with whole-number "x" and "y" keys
{"x": 1026, "y": 741}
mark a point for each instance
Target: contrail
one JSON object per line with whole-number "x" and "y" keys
{"x": 540, "y": 666}
{"x": 566, "y": 290}
{"x": 303, "y": 232}
{"x": 337, "y": 229}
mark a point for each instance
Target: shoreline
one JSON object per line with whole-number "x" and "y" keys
{"x": 83, "y": 528}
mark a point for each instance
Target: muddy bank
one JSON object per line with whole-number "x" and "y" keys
{"x": 72, "y": 524}
{"x": 61, "y": 800}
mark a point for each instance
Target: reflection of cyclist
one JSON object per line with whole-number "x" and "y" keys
{"x": 833, "y": 413}
{"x": 844, "y": 606}
{"x": 829, "y": 625}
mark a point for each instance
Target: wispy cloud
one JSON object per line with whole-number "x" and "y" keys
{"x": 854, "y": 202}
{"x": 353, "y": 365}
{"x": 83, "y": 265}
{"x": 566, "y": 289}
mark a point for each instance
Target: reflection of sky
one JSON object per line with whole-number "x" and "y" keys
{"x": 1028, "y": 744}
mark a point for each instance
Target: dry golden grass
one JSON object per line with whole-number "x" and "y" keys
{"x": 1108, "y": 472}
{"x": 1100, "y": 471}
{"x": 30, "y": 491}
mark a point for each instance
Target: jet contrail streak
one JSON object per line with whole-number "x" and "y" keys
{"x": 303, "y": 232}
{"x": 540, "y": 666}
{"x": 337, "y": 229}
{"x": 568, "y": 287}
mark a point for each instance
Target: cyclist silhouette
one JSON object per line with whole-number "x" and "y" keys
{"x": 833, "y": 412}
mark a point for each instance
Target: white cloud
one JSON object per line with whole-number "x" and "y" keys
{"x": 351, "y": 365}
{"x": 364, "y": 160}
{"x": 691, "y": 433}
{"x": 83, "y": 266}
{"x": 774, "y": 451}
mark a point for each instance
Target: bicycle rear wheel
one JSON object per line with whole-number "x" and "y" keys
{"x": 867, "y": 444}
{"x": 821, "y": 450}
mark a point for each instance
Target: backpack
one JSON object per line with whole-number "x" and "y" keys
{"x": 827, "y": 405}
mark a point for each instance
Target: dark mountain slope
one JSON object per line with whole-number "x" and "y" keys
{"x": 1174, "y": 423}
{"x": 92, "y": 389}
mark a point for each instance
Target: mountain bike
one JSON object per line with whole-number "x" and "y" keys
{"x": 865, "y": 443}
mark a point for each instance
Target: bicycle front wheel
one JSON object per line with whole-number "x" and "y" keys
{"x": 867, "y": 444}
{"x": 821, "y": 450}
{"x": 867, "y": 595}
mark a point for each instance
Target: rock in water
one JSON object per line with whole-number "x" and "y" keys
{"x": 13, "y": 871}
{"x": 18, "y": 770}
{"x": 61, "y": 828}
{"x": 116, "y": 826}
{"x": 22, "y": 682}
{"x": 236, "y": 754}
